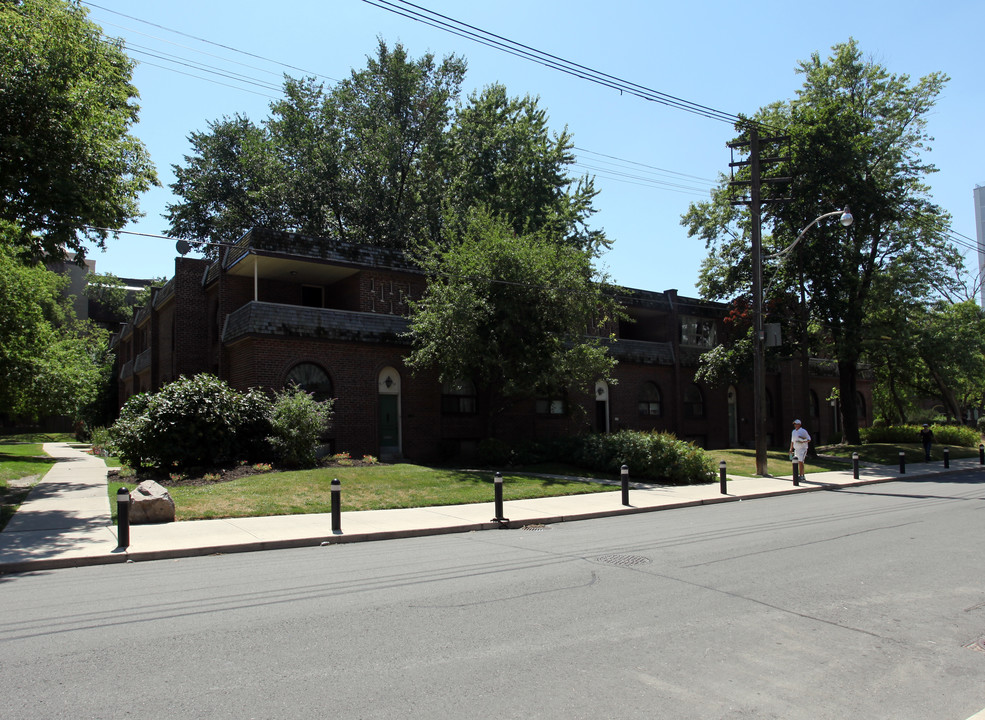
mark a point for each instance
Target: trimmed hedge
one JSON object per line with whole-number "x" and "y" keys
{"x": 658, "y": 456}
{"x": 960, "y": 435}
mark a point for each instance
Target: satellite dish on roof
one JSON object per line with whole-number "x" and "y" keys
{"x": 183, "y": 247}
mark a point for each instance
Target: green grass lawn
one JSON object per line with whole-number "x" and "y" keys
{"x": 363, "y": 488}
{"x": 405, "y": 485}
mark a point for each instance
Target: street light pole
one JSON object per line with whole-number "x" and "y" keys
{"x": 759, "y": 354}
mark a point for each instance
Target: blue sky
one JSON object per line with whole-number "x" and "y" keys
{"x": 650, "y": 161}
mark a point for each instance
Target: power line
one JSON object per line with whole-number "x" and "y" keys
{"x": 512, "y": 47}
{"x": 203, "y": 40}
{"x": 617, "y": 174}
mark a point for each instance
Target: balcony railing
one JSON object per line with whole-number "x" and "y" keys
{"x": 273, "y": 319}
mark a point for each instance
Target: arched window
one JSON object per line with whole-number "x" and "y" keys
{"x": 815, "y": 408}
{"x": 649, "y": 403}
{"x": 694, "y": 402}
{"x": 458, "y": 398}
{"x": 311, "y": 378}
{"x": 860, "y": 406}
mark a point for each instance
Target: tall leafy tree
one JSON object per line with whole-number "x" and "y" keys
{"x": 361, "y": 161}
{"x": 857, "y": 138}
{"x": 505, "y": 157}
{"x": 68, "y": 160}
{"x": 231, "y": 183}
{"x": 50, "y": 363}
{"x": 517, "y": 315}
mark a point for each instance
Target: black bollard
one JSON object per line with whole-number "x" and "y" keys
{"x": 722, "y": 478}
{"x": 624, "y": 475}
{"x": 855, "y": 465}
{"x": 947, "y": 458}
{"x": 123, "y": 517}
{"x": 981, "y": 454}
{"x": 902, "y": 462}
{"x": 796, "y": 473}
{"x": 336, "y": 506}
{"x": 498, "y": 497}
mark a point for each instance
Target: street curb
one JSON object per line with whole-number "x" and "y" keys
{"x": 129, "y": 556}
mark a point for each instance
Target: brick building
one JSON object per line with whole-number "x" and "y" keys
{"x": 278, "y": 308}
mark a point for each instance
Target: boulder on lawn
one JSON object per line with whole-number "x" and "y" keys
{"x": 151, "y": 502}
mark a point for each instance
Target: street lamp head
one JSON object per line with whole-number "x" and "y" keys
{"x": 846, "y": 218}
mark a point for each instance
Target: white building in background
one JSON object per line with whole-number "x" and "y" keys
{"x": 980, "y": 231}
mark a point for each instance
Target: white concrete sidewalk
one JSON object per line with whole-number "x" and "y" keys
{"x": 65, "y": 520}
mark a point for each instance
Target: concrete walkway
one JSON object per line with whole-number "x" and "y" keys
{"x": 65, "y": 520}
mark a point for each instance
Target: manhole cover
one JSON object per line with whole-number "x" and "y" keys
{"x": 623, "y": 560}
{"x": 534, "y": 528}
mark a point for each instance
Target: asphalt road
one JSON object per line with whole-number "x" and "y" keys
{"x": 860, "y": 603}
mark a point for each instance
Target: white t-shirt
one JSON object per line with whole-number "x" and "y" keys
{"x": 799, "y": 436}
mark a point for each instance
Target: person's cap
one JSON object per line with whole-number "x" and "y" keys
{"x": 926, "y": 425}
{"x": 796, "y": 422}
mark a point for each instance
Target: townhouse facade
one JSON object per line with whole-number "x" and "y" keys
{"x": 279, "y": 308}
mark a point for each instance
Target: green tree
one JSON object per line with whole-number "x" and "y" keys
{"x": 857, "y": 138}
{"x": 360, "y": 162}
{"x": 517, "y": 315}
{"x": 50, "y": 363}
{"x": 230, "y": 183}
{"x": 504, "y": 156}
{"x": 68, "y": 162}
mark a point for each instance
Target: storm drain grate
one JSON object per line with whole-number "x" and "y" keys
{"x": 623, "y": 560}
{"x": 534, "y": 528}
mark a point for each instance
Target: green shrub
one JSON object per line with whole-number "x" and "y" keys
{"x": 659, "y": 456}
{"x": 191, "y": 422}
{"x": 102, "y": 442}
{"x": 981, "y": 425}
{"x": 297, "y": 421}
{"x": 128, "y": 432}
{"x": 943, "y": 434}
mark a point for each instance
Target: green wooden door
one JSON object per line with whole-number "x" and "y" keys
{"x": 389, "y": 424}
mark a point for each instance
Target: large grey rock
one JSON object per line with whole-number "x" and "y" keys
{"x": 151, "y": 502}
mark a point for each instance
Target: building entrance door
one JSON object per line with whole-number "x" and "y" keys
{"x": 388, "y": 424}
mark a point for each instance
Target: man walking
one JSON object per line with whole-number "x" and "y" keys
{"x": 800, "y": 439}
{"x": 926, "y": 439}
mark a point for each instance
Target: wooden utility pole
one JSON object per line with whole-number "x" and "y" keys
{"x": 755, "y": 201}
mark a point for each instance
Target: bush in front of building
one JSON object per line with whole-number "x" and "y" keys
{"x": 192, "y": 422}
{"x": 297, "y": 421}
{"x": 657, "y": 456}
{"x": 960, "y": 435}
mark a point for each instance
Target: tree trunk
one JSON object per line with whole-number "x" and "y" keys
{"x": 848, "y": 376}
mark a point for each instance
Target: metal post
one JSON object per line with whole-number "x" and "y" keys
{"x": 902, "y": 462}
{"x": 498, "y": 497}
{"x": 981, "y": 454}
{"x": 796, "y": 473}
{"x": 624, "y": 475}
{"x": 336, "y": 506}
{"x": 123, "y": 517}
{"x": 947, "y": 458}
{"x": 722, "y": 478}
{"x": 855, "y": 465}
